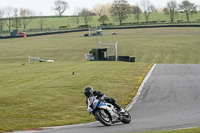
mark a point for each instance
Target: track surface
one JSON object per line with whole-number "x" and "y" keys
{"x": 170, "y": 99}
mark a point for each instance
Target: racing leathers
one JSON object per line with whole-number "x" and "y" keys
{"x": 102, "y": 96}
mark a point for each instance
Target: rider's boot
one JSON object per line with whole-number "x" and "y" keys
{"x": 122, "y": 110}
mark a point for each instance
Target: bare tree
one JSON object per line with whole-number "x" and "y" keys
{"x": 9, "y": 12}
{"x": 188, "y": 8}
{"x": 76, "y": 17}
{"x": 120, "y": 10}
{"x": 26, "y": 17}
{"x": 171, "y": 9}
{"x": 60, "y": 6}
{"x": 148, "y": 8}
{"x": 159, "y": 10}
{"x": 103, "y": 19}
{"x": 41, "y": 22}
{"x": 16, "y": 20}
{"x": 102, "y": 9}
{"x": 1, "y": 20}
{"x": 137, "y": 12}
{"x": 86, "y": 14}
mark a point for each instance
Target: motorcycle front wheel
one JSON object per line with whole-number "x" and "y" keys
{"x": 127, "y": 118}
{"x": 103, "y": 117}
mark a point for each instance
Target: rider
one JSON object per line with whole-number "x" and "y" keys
{"x": 89, "y": 92}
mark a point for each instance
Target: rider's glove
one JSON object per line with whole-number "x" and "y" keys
{"x": 89, "y": 109}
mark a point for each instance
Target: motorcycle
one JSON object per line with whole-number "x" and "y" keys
{"x": 106, "y": 113}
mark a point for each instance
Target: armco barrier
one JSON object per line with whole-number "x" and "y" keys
{"x": 40, "y": 34}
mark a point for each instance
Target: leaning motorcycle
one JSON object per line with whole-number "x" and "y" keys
{"x": 106, "y": 113}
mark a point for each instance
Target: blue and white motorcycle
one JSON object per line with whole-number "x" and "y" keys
{"x": 106, "y": 113}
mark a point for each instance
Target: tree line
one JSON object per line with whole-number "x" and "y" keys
{"x": 119, "y": 10}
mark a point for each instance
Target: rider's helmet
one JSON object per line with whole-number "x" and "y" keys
{"x": 88, "y": 91}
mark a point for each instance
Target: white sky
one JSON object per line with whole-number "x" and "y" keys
{"x": 45, "y": 6}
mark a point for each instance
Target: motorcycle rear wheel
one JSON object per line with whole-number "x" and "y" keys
{"x": 103, "y": 117}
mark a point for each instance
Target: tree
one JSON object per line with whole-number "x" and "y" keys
{"x": 120, "y": 10}
{"x": 136, "y": 12}
{"x": 86, "y": 15}
{"x": 1, "y": 20}
{"x": 171, "y": 9}
{"x": 103, "y": 19}
{"x": 76, "y": 17}
{"x": 16, "y": 20}
{"x": 9, "y": 11}
{"x": 60, "y": 6}
{"x": 148, "y": 8}
{"x": 102, "y": 9}
{"x": 41, "y": 22}
{"x": 188, "y": 8}
{"x": 26, "y": 17}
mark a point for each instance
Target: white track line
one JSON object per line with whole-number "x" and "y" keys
{"x": 129, "y": 106}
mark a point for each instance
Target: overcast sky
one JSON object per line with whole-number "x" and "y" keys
{"x": 45, "y": 6}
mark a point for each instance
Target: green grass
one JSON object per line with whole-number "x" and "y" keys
{"x": 154, "y": 45}
{"x": 47, "y": 94}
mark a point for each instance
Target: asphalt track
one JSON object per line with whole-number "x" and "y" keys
{"x": 170, "y": 99}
